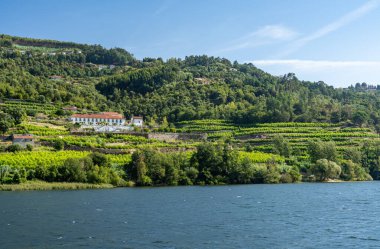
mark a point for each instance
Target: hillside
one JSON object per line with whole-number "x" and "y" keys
{"x": 260, "y": 128}
{"x": 197, "y": 87}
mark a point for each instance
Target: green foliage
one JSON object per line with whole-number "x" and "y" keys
{"x": 34, "y": 159}
{"x": 14, "y": 148}
{"x": 152, "y": 167}
{"x": 138, "y": 170}
{"x": 29, "y": 147}
{"x": 354, "y": 172}
{"x": 324, "y": 169}
{"x": 18, "y": 115}
{"x": 6, "y": 122}
{"x": 352, "y": 154}
{"x": 72, "y": 170}
{"x": 41, "y": 130}
{"x": 281, "y": 146}
{"x": 210, "y": 164}
{"x": 360, "y": 118}
{"x": 371, "y": 157}
{"x": 260, "y": 157}
{"x": 322, "y": 150}
{"x": 59, "y": 145}
{"x": 100, "y": 159}
{"x": 5, "y": 172}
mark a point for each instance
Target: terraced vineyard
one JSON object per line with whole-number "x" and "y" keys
{"x": 298, "y": 134}
{"x": 29, "y": 106}
{"x": 33, "y": 159}
{"x": 254, "y": 143}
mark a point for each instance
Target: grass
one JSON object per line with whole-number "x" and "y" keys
{"x": 41, "y": 185}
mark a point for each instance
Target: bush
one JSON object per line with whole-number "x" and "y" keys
{"x": 354, "y": 172}
{"x": 272, "y": 174}
{"x": 100, "y": 159}
{"x": 73, "y": 171}
{"x": 29, "y": 147}
{"x": 324, "y": 169}
{"x": 14, "y": 148}
{"x": 322, "y": 150}
{"x": 58, "y": 145}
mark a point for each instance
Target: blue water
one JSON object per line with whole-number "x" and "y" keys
{"x": 330, "y": 215}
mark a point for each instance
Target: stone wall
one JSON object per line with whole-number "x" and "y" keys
{"x": 177, "y": 136}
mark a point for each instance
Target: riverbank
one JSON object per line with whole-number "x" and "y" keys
{"x": 41, "y": 185}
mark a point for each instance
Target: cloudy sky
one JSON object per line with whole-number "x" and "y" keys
{"x": 335, "y": 41}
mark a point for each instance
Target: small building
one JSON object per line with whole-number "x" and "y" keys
{"x": 70, "y": 108}
{"x": 101, "y": 67}
{"x": 137, "y": 121}
{"x": 23, "y": 139}
{"x": 103, "y": 118}
{"x": 56, "y": 77}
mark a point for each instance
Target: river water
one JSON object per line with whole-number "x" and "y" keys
{"x": 329, "y": 215}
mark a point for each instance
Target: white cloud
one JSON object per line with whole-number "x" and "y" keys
{"x": 275, "y": 32}
{"x": 263, "y": 36}
{"x": 337, "y": 73}
{"x": 316, "y": 64}
{"x": 333, "y": 26}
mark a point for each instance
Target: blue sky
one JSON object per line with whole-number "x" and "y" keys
{"x": 336, "y": 41}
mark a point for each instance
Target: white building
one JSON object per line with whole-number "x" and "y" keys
{"x": 104, "y": 118}
{"x": 137, "y": 121}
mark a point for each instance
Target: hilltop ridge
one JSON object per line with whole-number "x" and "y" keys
{"x": 196, "y": 87}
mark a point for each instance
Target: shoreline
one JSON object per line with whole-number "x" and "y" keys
{"x": 41, "y": 185}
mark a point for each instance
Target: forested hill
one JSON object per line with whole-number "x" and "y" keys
{"x": 94, "y": 78}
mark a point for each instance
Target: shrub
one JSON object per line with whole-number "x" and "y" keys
{"x": 14, "y": 148}
{"x": 58, "y": 145}
{"x": 29, "y": 147}
{"x": 324, "y": 169}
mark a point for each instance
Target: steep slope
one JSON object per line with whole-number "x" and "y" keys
{"x": 197, "y": 87}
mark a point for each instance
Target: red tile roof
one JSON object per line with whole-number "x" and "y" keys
{"x": 24, "y": 136}
{"x": 105, "y": 115}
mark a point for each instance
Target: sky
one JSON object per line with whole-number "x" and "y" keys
{"x": 335, "y": 41}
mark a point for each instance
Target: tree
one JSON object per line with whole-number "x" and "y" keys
{"x": 6, "y": 122}
{"x": 18, "y": 115}
{"x": 16, "y": 177}
{"x": 171, "y": 172}
{"x": 4, "y": 172}
{"x": 272, "y": 174}
{"x": 352, "y": 154}
{"x": 322, "y": 150}
{"x": 59, "y": 145}
{"x": 100, "y": 159}
{"x": 138, "y": 169}
{"x": 324, "y": 169}
{"x": 209, "y": 160}
{"x": 354, "y": 172}
{"x": 360, "y": 117}
{"x": 281, "y": 146}
{"x": 243, "y": 172}
{"x": 370, "y": 157}
{"x": 73, "y": 170}
{"x": 29, "y": 147}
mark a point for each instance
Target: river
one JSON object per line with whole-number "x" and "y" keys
{"x": 329, "y": 215}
